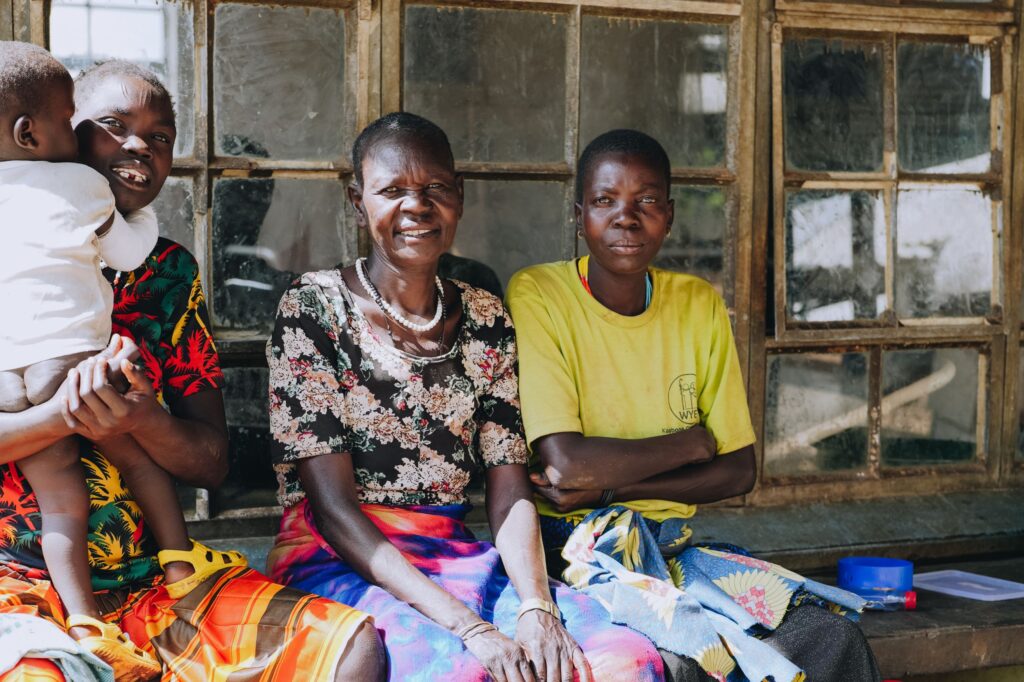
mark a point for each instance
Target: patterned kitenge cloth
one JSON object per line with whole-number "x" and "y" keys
{"x": 237, "y": 624}
{"x": 436, "y": 541}
{"x": 696, "y": 601}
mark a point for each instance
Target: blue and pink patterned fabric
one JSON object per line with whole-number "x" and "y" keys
{"x": 436, "y": 541}
{"x": 699, "y": 602}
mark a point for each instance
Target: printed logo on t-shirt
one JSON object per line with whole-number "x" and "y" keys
{"x": 682, "y": 399}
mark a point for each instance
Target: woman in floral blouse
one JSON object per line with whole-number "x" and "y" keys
{"x": 390, "y": 389}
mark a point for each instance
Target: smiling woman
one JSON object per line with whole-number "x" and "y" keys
{"x": 390, "y": 389}
{"x": 126, "y": 130}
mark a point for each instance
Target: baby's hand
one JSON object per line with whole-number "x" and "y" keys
{"x": 120, "y": 348}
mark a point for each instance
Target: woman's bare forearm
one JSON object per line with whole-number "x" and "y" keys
{"x": 330, "y": 485}
{"x": 191, "y": 443}
{"x": 516, "y": 530}
{"x": 578, "y": 462}
{"x": 725, "y": 476}
{"x": 26, "y": 433}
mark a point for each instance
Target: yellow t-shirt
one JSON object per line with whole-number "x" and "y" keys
{"x": 586, "y": 369}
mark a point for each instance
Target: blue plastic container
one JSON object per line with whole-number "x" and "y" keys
{"x": 870, "y": 576}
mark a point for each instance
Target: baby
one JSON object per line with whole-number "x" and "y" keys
{"x": 59, "y": 220}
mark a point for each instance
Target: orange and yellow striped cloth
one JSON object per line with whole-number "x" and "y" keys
{"x": 238, "y": 621}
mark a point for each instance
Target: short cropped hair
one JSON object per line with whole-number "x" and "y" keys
{"x": 399, "y": 124}
{"x": 91, "y": 77}
{"x": 622, "y": 141}
{"x": 27, "y": 75}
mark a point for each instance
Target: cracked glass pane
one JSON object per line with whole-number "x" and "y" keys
{"x": 265, "y": 233}
{"x": 835, "y": 255}
{"x": 816, "y": 413}
{"x": 668, "y": 79}
{"x": 929, "y": 406}
{"x": 832, "y": 98}
{"x": 494, "y": 80}
{"x": 944, "y": 108}
{"x": 279, "y": 87}
{"x": 944, "y": 252}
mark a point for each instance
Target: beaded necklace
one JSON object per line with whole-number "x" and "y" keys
{"x": 390, "y": 311}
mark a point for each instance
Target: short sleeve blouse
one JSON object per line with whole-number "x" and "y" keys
{"x": 417, "y": 428}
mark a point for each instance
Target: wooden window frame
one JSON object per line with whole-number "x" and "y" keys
{"x": 375, "y": 61}
{"x": 892, "y": 23}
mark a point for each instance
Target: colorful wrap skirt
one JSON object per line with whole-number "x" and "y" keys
{"x": 711, "y": 604}
{"x": 235, "y": 625}
{"x": 437, "y": 542}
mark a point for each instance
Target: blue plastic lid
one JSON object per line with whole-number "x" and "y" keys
{"x": 868, "y": 574}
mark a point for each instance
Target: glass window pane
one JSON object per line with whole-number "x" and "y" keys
{"x": 835, "y": 255}
{"x": 945, "y": 95}
{"x": 944, "y": 247}
{"x": 816, "y": 413}
{"x": 265, "y": 232}
{"x": 929, "y": 406}
{"x": 493, "y": 79}
{"x": 508, "y": 225}
{"x": 832, "y": 96}
{"x": 154, "y": 34}
{"x": 668, "y": 79}
{"x": 173, "y": 208}
{"x": 250, "y": 481}
{"x": 279, "y": 82}
{"x": 701, "y": 240}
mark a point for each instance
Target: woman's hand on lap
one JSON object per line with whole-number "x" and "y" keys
{"x": 504, "y": 658}
{"x": 551, "y": 649}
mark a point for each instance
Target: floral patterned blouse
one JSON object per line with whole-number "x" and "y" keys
{"x": 417, "y": 428}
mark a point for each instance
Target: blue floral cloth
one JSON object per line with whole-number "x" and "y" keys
{"x": 696, "y": 601}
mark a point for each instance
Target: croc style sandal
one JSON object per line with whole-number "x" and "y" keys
{"x": 204, "y": 561}
{"x": 130, "y": 663}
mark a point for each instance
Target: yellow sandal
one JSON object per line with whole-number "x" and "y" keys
{"x": 130, "y": 663}
{"x": 204, "y": 561}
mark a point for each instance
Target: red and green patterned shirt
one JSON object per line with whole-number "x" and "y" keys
{"x": 161, "y": 306}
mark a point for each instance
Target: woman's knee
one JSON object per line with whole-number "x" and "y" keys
{"x": 364, "y": 657}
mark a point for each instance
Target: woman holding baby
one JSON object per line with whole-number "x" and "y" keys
{"x": 170, "y": 418}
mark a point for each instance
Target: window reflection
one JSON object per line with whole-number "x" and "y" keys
{"x": 944, "y": 252}
{"x": 510, "y": 225}
{"x": 668, "y": 79}
{"x": 700, "y": 242}
{"x": 835, "y": 255}
{"x": 265, "y": 233}
{"x": 279, "y": 82}
{"x": 945, "y": 94}
{"x": 832, "y": 95}
{"x": 816, "y": 413}
{"x": 494, "y": 80}
{"x": 929, "y": 406}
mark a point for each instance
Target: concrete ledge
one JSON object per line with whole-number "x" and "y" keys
{"x": 816, "y": 536}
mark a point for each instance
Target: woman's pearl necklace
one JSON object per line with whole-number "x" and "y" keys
{"x": 388, "y": 310}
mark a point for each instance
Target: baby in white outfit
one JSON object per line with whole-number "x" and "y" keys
{"x": 58, "y": 222}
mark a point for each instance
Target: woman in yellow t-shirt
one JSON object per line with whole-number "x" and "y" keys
{"x": 635, "y": 410}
